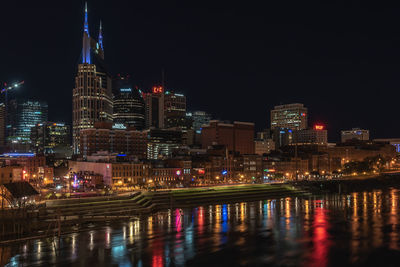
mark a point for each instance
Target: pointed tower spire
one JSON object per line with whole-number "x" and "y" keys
{"x": 86, "y": 39}
{"x": 101, "y": 36}
{"x": 86, "y": 25}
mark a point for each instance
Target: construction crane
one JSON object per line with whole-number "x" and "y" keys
{"x": 7, "y": 88}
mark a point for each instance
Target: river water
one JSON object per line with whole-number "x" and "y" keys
{"x": 332, "y": 230}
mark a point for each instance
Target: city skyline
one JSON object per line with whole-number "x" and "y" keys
{"x": 159, "y": 41}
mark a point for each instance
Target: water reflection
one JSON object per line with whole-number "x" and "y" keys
{"x": 316, "y": 231}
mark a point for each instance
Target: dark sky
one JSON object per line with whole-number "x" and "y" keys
{"x": 341, "y": 59}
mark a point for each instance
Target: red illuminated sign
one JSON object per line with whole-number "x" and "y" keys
{"x": 319, "y": 127}
{"x": 157, "y": 90}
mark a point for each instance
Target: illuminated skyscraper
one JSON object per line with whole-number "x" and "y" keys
{"x": 291, "y": 116}
{"x": 129, "y": 107}
{"x": 48, "y": 136}
{"x": 199, "y": 119}
{"x": 155, "y": 108}
{"x": 2, "y": 127}
{"x": 92, "y": 95}
{"x": 175, "y": 111}
{"x": 23, "y": 115}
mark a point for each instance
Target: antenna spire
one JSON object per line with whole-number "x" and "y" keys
{"x": 101, "y": 36}
{"x": 86, "y": 39}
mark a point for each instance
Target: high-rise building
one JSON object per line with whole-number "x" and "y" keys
{"x": 291, "y": 116}
{"x": 162, "y": 143}
{"x": 2, "y": 127}
{"x": 47, "y": 136}
{"x": 129, "y": 106}
{"x": 199, "y": 119}
{"x": 23, "y": 115}
{"x": 92, "y": 95}
{"x": 355, "y": 133}
{"x": 175, "y": 111}
{"x": 316, "y": 136}
{"x": 155, "y": 108}
{"x": 113, "y": 138}
{"x": 237, "y": 137}
{"x": 282, "y": 137}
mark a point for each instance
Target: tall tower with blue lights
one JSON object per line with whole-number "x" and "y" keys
{"x": 92, "y": 95}
{"x": 86, "y": 40}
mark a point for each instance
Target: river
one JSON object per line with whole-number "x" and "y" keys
{"x": 330, "y": 230}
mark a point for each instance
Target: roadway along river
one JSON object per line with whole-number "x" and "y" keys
{"x": 331, "y": 230}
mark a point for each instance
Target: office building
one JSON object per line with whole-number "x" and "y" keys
{"x": 265, "y": 134}
{"x": 129, "y": 108}
{"x": 199, "y": 119}
{"x": 354, "y": 134}
{"x": 393, "y": 141}
{"x": 237, "y": 137}
{"x": 22, "y": 116}
{"x": 113, "y": 138}
{"x": 92, "y": 95}
{"x": 282, "y": 137}
{"x": 154, "y": 102}
{"x": 48, "y": 136}
{"x": 291, "y": 116}
{"x": 316, "y": 136}
{"x": 263, "y": 146}
{"x": 162, "y": 142}
{"x": 2, "y": 127}
{"x": 175, "y": 111}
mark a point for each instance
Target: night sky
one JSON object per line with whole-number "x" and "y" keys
{"x": 342, "y": 60}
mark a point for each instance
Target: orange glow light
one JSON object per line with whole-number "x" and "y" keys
{"x": 319, "y": 127}
{"x": 157, "y": 89}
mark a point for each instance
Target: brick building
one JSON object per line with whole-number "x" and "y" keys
{"x": 104, "y": 137}
{"x": 237, "y": 137}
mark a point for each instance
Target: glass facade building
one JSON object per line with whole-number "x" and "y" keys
{"x": 129, "y": 108}
{"x": 199, "y": 119}
{"x": 291, "y": 116}
{"x": 23, "y": 115}
{"x": 45, "y": 137}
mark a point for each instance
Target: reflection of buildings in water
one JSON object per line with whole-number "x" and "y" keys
{"x": 217, "y": 225}
{"x": 178, "y": 220}
{"x": 243, "y": 213}
{"x": 200, "y": 220}
{"x": 355, "y": 229}
{"x": 38, "y": 250}
{"x": 157, "y": 259}
{"x": 393, "y": 220}
{"x": 150, "y": 225}
{"x": 224, "y": 221}
{"x": 74, "y": 246}
{"x": 169, "y": 220}
{"x": 307, "y": 206}
{"x": 321, "y": 238}
{"x": 210, "y": 214}
{"x": 178, "y": 248}
{"x": 287, "y": 213}
{"x": 91, "y": 241}
{"x": 252, "y": 213}
{"x": 377, "y": 235}
{"x": 108, "y": 239}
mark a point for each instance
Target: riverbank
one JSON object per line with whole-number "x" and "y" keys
{"x": 349, "y": 185}
{"x": 63, "y": 216}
